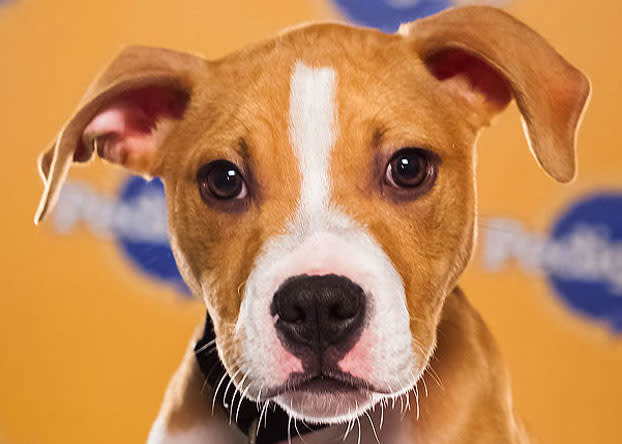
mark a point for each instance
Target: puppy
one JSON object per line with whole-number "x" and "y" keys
{"x": 321, "y": 201}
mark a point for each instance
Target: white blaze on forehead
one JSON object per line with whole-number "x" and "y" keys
{"x": 312, "y": 133}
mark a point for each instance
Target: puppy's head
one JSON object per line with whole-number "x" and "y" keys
{"x": 320, "y": 186}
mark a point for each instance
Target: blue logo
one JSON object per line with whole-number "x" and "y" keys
{"x": 136, "y": 220}
{"x": 588, "y": 276}
{"x": 387, "y": 15}
{"x": 581, "y": 257}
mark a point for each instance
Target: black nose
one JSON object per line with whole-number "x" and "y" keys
{"x": 317, "y": 312}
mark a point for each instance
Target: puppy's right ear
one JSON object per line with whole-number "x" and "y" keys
{"x": 125, "y": 116}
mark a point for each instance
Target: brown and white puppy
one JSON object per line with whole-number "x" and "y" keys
{"x": 321, "y": 200}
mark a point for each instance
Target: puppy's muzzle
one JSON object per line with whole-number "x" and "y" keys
{"x": 319, "y": 318}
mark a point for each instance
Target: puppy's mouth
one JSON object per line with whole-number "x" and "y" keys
{"x": 326, "y": 383}
{"x": 326, "y": 397}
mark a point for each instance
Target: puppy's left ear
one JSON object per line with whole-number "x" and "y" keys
{"x": 125, "y": 116}
{"x": 486, "y": 57}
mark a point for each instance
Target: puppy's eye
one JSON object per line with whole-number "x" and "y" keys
{"x": 410, "y": 168}
{"x": 221, "y": 180}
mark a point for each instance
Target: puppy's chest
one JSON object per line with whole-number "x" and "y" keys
{"x": 394, "y": 428}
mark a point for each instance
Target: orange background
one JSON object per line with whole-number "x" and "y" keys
{"x": 87, "y": 344}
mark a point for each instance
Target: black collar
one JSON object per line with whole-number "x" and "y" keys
{"x": 274, "y": 425}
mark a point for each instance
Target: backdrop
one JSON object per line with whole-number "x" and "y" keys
{"x": 93, "y": 315}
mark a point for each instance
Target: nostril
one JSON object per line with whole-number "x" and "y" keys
{"x": 342, "y": 310}
{"x": 291, "y": 313}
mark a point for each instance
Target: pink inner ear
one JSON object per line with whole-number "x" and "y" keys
{"x": 483, "y": 79}
{"x": 125, "y": 126}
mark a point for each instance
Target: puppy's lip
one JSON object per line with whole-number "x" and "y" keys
{"x": 328, "y": 382}
{"x": 326, "y": 385}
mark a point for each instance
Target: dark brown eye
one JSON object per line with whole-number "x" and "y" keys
{"x": 221, "y": 180}
{"x": 409, "y": 168}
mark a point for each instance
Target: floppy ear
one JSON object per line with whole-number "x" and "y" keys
{"x": 124, "y": 116}
{"x": 487, "y": 57}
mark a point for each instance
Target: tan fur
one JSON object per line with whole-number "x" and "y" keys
{"x": 387, "y": 98}
{"x": 469, "y": 399}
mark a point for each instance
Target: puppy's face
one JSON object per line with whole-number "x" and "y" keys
{"x": 320, "y": 188}
{"x": 324, "y": 209}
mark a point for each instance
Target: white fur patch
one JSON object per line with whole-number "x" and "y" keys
{"x": 199, "y": 434}
{"x": 312, "y": 131}
{"x": 321, "y": 239}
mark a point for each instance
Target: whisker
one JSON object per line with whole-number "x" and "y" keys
{"x": 381, "y": 413}
{"x": 298, "y": 431}
{"x": 425, "y": 386}
{"x": 235, "y": 392}
{"x": 205, "y": 346}
{"x": 261, "y": 414}
{"x": 224, "y": 396}
{"x": 349, "y": 427}
{"x": 222, "y": 379}
{"x": 372, "y": 427}
{"x": 241, "y": 285}
{"x": 242, "y": 395}
{"x": 435, "y": 376}
{"x": 358, "y": 422}
{"x": 417, "y": 400}
{"x": 203, "y": 386}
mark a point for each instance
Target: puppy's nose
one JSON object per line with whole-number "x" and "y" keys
{"x": 315, "y": 312}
